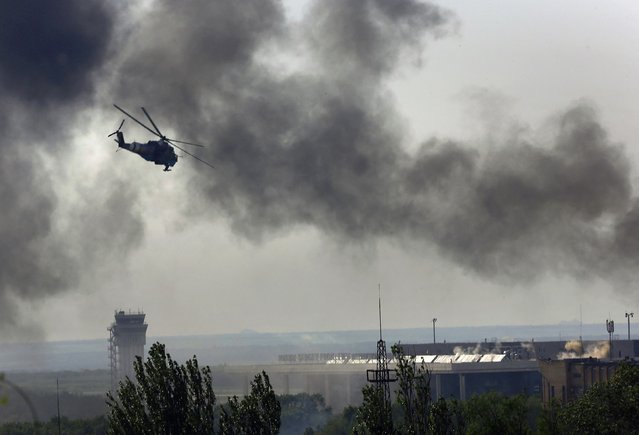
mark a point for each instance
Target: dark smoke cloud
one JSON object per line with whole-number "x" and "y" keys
{"x": 176, "y": 56}
{"x": 322, "y": 146}
{"x": 49, "y": 50}
{"x": 51, "y": 55}
{"x": 528, "y": 208}
{"x": 367, "y": 37}
{"x": 283, "y": 145}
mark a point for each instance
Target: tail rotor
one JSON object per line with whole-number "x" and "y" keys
{"x": 120, "y": 139}
{"x": 118, "y": 130}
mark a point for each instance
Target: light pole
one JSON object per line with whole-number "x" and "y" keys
{"x": 434, "y": 320}
{"x": 610, "y": 327}
{"x": 628, "y": 316}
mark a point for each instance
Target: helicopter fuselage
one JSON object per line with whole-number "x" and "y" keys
{"x": 156, "y": 151}
{"x": 160, "y": 152}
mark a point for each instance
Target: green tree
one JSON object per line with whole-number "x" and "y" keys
{"x": 548, "y": 421}
{"x": 341, "y": 424}
{"x": 374, "y": 416}
{"x": 446, "y": 417}
{"x": 3, "y": 397}
{"x": 257, "y": 413}
{"x": 413, "y": 392}
{"x": 302, "y": 411}
{"x": 492, "y": 413}
{"x": 606, "y": 408}
{"x": 168, "y": 398}
{"x": 92, "y": 426}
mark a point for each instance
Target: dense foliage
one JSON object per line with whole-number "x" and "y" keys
{"x": 258, "y": 413}
{"x": 3, "y": 397}
{"x": 303, "y": 411}
{"x": 167, "y": 398}
{"x": 92, "y": 426}
{"x": 413, "y": 401}
{"x": 341, "y": 424}
{"x": 492, "y": 413}
{"x": 170, "y": 398}
{"x": 606, "y": 408}
{"x": 413, "y": 392}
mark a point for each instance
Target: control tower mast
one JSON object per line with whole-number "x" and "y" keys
{"x": 127, "y": 337}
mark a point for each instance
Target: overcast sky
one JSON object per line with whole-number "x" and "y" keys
{"x": 478, "y": 160}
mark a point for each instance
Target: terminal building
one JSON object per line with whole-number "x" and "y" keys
{"x": 458, "y": 370}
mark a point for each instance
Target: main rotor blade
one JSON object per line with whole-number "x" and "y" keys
{"x": 133, "y": 118}
{"x": 153, "y": 123}
{"x": 187, "y": 143}
{"x": 195, "y": 157}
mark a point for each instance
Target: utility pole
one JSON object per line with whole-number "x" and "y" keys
{"x": 434, "y": 321}
{"x": 628, "y": 316}
{"x": 610, "y": 327}
{"x": 57, "y": 394}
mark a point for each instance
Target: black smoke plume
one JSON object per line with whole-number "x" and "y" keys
{"x": 322, "y": 145}
{"x": 303, "y": 132}
{"x": 51, "y": 54}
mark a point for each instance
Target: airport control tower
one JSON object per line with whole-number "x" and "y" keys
{"x": 127, "y": 337}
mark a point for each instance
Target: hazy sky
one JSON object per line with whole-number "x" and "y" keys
{"x": 476, "y": 159}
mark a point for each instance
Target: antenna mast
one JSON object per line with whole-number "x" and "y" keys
{"x": 379, "y": 289}
{"x": 381, "y": 376}
{"x": 581, "y": 326}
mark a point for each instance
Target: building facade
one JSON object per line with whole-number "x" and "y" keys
{"x": 568, "y": 379}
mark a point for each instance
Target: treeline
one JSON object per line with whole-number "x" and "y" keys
{"x": 91, "y": 426}
{"x": 179, "y": 399}
{"x": 73, "y": 406}
{"x": 299, "y": 412}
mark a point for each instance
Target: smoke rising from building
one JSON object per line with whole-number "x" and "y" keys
{"x": 574, "y": 349}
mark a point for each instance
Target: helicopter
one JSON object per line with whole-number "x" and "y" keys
{"x": 160, "y": 151}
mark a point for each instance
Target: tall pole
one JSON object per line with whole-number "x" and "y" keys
{"x": 57, "y": 394}
{"x": 434, "y": 320}
{"x": 628, "y": 316}
{"x": 381, "y": 378}
{"x": 610, "y": 327}
{"x": 379, "y": 289}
